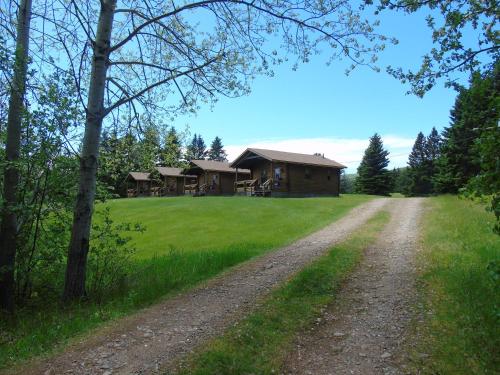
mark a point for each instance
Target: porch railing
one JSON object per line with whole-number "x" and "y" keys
{"x": 245, "y": 186}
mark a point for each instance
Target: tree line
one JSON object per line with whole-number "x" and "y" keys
{"x": 464, "y": 158}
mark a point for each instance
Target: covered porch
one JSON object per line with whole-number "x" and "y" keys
{"x": 252, "y": 188}
{"x": 139, "y": 184}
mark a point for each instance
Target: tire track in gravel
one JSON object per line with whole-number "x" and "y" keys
{"x": 364, "y": 330}
{"x": 153, "y": 339}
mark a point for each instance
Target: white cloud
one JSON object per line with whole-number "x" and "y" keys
{"x": 348, "y": 151}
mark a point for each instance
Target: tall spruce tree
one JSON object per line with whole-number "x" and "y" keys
{"x": 373, "y": 176}
{"x": 196, "y": 149}
{"x": 472, "y": 137}
{"x": 171, "y": 152}
{"x": 201, "y": 148}
{"x": 418, "y": 164}
{"x": 149, "y": 147}
{"x": 217, "y": 151}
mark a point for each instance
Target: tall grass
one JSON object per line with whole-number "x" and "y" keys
{"x": 259, "y": 343}
{"x": 186, "y": 241}
{"x": 460, "y": 286}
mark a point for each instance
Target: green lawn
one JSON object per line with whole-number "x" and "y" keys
{"x": 192, "y": 224}
{"x": 460, "y": 286}
{"x": 187, "y": 240}
{"x": 259, "y": 344}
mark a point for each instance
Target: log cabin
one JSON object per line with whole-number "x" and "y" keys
{"x": 213, "y": 177}
{"x": 138, "y": 184}
{"x": 173, "y": 180}
{"x": 288, "y": 174}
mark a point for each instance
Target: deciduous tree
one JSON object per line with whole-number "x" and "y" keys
{"x": 152, "y": 55}
{"x": 9, "y": 225}
{"x": 452, "y": 24}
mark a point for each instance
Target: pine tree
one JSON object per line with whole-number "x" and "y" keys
{"x": 149, "y": 149}
{"x": 217, "y": 151}
{"x": 459, "y": 160}
{"x": 401, "y": 181}
{"x": 117, "y": 157}
{"x": 171, "y": 152}
{"x": 433, "y": 145}
{"x": 201, "y": 148}
{"x": 373, "y": 176}
{"x": 418, "y": 164}
{"x": 197, "y": 149}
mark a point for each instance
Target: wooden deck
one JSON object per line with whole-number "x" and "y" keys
{"x": 251, "y": 188}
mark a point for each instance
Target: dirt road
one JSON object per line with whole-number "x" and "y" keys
{"x": 363, "y": 331}
{"x": 153, "y": 339}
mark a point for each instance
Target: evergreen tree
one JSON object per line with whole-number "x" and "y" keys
{"x": 201, "y": 148}
{"x": 217, "y": 151}
{"x": 171, "y": 152}
{"x": 433, "y": 145}
{"x": 484, "y": 111}
{"x": 469, "y": 157}
{"x": 401, "y": 180}
{"x": 149, "y": 149}
{"x": 422, "y": 164}
{"x": 117, "y": 157}
{"x": 197, "y": 149}
{"x": 373, "y": 176}
{"x": 474, "y": 116}
{"x": 418, "y": 164}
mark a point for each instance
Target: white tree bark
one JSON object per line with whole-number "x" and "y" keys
{"x": 8, "y": 233}
{"x": 79, "y": 245}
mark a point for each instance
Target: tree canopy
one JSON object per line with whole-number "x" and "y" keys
{"x": 452, "y": 23}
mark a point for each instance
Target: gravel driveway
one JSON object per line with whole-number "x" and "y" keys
{"x": 152, "y": 339}
{"x": 364, "y": 330}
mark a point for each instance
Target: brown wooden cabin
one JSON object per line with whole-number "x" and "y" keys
{"x": 173, "y": 180}
{"x": 138, "y": 184}
{"x": 279, "y": 173}
{"x": 213, "y": 177}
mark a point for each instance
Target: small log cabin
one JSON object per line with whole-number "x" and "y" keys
{"x": 138, "y": 184}
{"x": 213, "y": 177}
{"x": 174, "y": 180}
{"x": 279, "y": 173}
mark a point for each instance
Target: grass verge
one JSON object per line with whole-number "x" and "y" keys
{"x": 187, "y": 241}
{"x": 460, "y": 290}
{"x": 260, "y": 342}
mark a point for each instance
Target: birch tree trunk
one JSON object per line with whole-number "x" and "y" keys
{"x": 79, "y": 245}
{"x": 8, "y": 232}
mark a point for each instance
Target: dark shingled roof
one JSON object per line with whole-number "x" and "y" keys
{"x": 172, "y": 172}
{"x": 289, "y": 157}
{"x": 139, "y": 176}
{"x": 216, "y": 166}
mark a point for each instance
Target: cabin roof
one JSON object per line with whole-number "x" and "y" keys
{"x": 214, "y": 166}
{"x": 288, "y": 157}
{"x": 172, "y": 172}
{"x": 140, "y": 176}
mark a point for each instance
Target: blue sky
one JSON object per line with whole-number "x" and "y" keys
{"x": 319, "y": 109}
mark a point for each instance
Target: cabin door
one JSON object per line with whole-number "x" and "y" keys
{"x": 263, "y": 175}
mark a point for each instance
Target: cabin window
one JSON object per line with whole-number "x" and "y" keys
{"x": 277, "y": 173}
{"x": 329, "y": 175}
{"x": 308, "y": 173}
